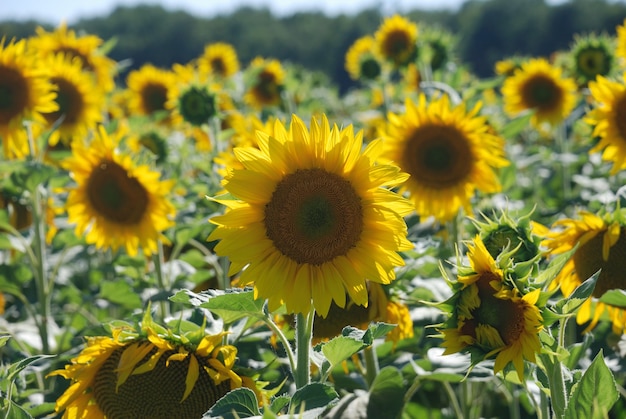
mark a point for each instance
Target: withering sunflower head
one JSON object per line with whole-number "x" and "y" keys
{"x": 219, "y": 59}
{"x": 490, "y": 317}
{"x": 265, "y": 83}
{"x": 362, "y": 59}
{"x": 601, "y": 241}
{"x": 540, "y": 87}
{"x": 396, "y": 40}
{"x": 448, "y": 151}
{"x": 25, "y": 94}
{"x": 312, "y": 218}
{"x": 148, "y": 90}
{"x": 116, "y": 203}
{"x": 591, "y": 56}
{"x": 608, "y": 117}
{"x": 85, "y": 48}
{"x": 150, "y": 372}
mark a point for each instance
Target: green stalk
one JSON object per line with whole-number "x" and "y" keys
{"x": 371, "y": 364}
{"x": 304, "y": 332}
{"x": 159, "y": 261}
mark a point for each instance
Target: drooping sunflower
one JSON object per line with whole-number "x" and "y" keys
{"x": 397, "y": 40}
{"x": 608, "y": 118}
{"x": 80, "y": 101}
{"x": 150, "y": 372}
{"x": 265, "y": 83}
{"x": 148, "y": 90}
{"x": 490, "y": 317}
{"x": 540, "y": 87}
{"x": 219, "y": 59}
{"x": 449, "y": 153}
{"x": 115, "y": 202}
{"x": 312, "y": 219}
{"x": 362, "y": 60}
{"x": 436, "y": 47}
{"x": 620, "y": 50}
{"x": 591, "y": 56}
{"x": 25, "y": 93}
{"x": 601, "y": 244}
{"x": 86, "y": 48}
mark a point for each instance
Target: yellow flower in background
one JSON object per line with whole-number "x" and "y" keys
{"x": 219, "y": 59}
{"x": 591, "y": 56}
{"x": 362, "y": 59}
{"x": 265, "y": 84}
{"x": 312, "y": 219}
{"x": 116, "y": 203}
{"x": 25, "y": 94}
{"x": 608, "y": 119}
{"x": 396, "y": 40}
{"x": 542, "y": 88}
{"x": 86, "y": 48}
{"x": 80, "y": 103}
{"x": 449, "y": 153}
{"x": 620, "y": 50}
{"x": 601, "y": 244}
{"x": 148, "y": 90}
{"x": 492, "y": 317}
{"x": 151, "y": 373}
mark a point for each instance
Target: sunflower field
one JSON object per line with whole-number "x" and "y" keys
{"x": 220, "y": 239}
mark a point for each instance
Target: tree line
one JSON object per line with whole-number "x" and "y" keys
{"x": 487, "y": 31}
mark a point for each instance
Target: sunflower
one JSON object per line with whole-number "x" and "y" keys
{"x": 490, "y": 317}
{"x": 116, "y": 203}
{"x": 193, "y": 103}
{"x": 449, "y": 153}
{"x": 150, "y": 372}
{"x": 312, "y": 219}
{"x": 436, "y": 47}
{"x": 362, "y": 60}
{"x": 148, "y": 90}
{"x": 219, "y": 59}
{"x": 620, "y": 50}
{"x": 79, "y": 99}
{"x": 609, "y": 120}
{"x": 25, "y": 93}
{"x": 396, "y": 40}
{"x": 86, "y": 48}
{"x": 266, "y": 79}
{"x": 540, "y": 87}
{"x": 601, "y": 244}
{"x": 591, "y": 56}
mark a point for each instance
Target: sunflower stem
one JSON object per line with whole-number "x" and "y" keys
{"x": 565, "y": 164}
{"x": 304, "y": 332}
{"x": 371, "y": 364}
{"x": 281, "y": 336}
{"x": 159, "y": 261}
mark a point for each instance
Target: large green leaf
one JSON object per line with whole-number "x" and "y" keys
{"x": 386, "y": 394}
{"x": 573, "y": 302}
{"x": 239, "y": 403}
{"x": 615, "y": 298}
{"x": 231, "y": 305}
{"x": 121, "y": 293}
{"x": 312, "y": 396}
{"x": 594, "y": 395}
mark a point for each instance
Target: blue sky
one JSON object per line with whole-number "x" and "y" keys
{"x": 54, "y": 11}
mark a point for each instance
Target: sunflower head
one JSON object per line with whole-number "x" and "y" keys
{"x": 488, "y": 316}
{"x": 148, "y": 90}
{"x": 591, "y": 56}
{"x": 116, "y": 202}
{"x": 601, "y": 241}
{"x": 309, "y": 211}
{"x": 362, "y": 60}
{"x": 396, "y": 40}
{"x": 265, "y": 81}
{"x": 448, "y": 151}
{"x": 542, "y": 88}
{"x": 219, "y": 59}
{"x": 124, "y": 375}
{"x": 436, "y": 47}
{"x": 620, "y": 50}
{"x": 196, "y": 104}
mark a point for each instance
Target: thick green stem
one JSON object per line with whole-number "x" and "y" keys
{"x": 159, "y": 261}
{"x": 43, "y": 290}
{"x": 304, "y": 332}
{"x": 371, "y": 364}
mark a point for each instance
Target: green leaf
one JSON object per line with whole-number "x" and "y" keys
{"x": 121, "y": 293}
{"x": 340, "y": 348}
{"x": 571, "y": 304}
{"x": 32, "y": 174}
{"x": 279, "y": 403}
{"x": 16, "y": 411}
{"x": 19, "y": 366}
{"x": 239, "y": 403}
{"x": 4, "y": 339}
{"x": 312, "y": 396}
{"x": 516, "y": 125}
{"x": 616, "y": 298}
{"x": 233, "y": 304}
{"x": 594, "y": 395}
{"x": 554, "y": 267}
{"x": 556, "y": 383}
{"x": 386, "y": 394}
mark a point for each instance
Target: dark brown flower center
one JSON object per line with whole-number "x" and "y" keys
{"x": 398, "y": 47}
{"x": 619, "y": 117}
{"x": 13, "y": 94}
{"x": 155, "y": 394}
{"x": 267, "y": 90}
{"x": 438, "y": 156}
{"x": 85, "y": 61}
{"x": 541, "y": 92}
{"x": 588, "y": 260}
{"x": 314, "y": 216}
{"x": 153, "y": 97}
{"x": 70, "y": 102}
{"x": 115, "y": 195}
